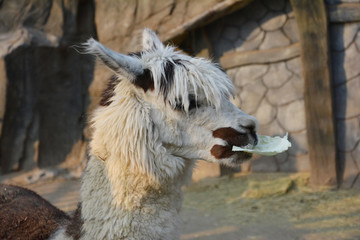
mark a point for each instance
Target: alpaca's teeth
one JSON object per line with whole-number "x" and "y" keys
{"x": 249, "y": 146}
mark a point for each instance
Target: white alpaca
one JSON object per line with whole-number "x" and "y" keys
{"x": 161, "y": 112}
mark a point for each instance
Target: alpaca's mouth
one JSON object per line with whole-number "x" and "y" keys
{"x": 221, "y": 152}
{"x": 233, "y": 137}
{"x": 249, "y": 146}
{"x": 237, "y": 157}
{"x": 243, "y": 155}
{"x": 240, "y": 154}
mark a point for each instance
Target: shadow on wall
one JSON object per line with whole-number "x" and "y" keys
{"x": 47, "y": 98}
{"x": 256, "y": 27}
{"x": 46, "y": 106}
{"x": 339, "y": 97}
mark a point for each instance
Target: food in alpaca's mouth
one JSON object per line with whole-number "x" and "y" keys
{"x": 267, "y": 146}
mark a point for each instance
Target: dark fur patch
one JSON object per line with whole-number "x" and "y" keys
{"x": 220, "y": 152}
{"x": 108, "y": 93}
{"x": 74, "y": 229}
{"x": 145, "y": 80}
{"x": 231, "y": 136}
{"x": 26, "y": 215}
{"x": 167, "y": 80}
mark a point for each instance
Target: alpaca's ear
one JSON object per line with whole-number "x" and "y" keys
{"x": 150, "y": 40}
{"x": 127, "y": 66}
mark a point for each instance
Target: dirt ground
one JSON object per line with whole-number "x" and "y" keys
{"x": 250, "y": 207}
{"x": 269, "y": 207}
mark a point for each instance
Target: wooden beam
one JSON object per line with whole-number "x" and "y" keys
{"x": 238, "y": 59}
{"x": 207, "y": 16}
{"x": 342, "y": 13}
{"x": 313, "y": 31}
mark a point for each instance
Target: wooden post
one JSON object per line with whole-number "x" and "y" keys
{"x": 313, "y": 31}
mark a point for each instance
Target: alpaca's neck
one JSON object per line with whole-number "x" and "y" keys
{"x": 118, "y": 203}
{"x": 132, "y": 185}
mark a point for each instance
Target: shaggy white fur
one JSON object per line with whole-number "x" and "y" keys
{"x": 146, "y": 140}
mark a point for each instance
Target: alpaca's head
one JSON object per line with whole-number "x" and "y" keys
{"x": 183, "y": 102}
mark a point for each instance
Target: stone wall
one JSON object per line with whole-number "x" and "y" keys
{"x": 272, "y": 92}
{"x": 271, "y": 89}
{"x": 259, "y": 47}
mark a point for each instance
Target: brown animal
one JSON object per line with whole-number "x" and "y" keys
{"x": 26, "y": 215}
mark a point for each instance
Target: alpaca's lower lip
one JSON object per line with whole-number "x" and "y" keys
{"x": 243, "y": 155}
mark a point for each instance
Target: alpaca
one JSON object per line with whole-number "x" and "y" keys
{"x": 161, "y": 112}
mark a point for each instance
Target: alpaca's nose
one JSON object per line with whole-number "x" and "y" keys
{"x": 253, "y": 137}
{"x": 249, "y": 123}
{"x": 251, "y": 127}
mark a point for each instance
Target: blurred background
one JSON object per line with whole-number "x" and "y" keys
{"x": 48, "y": 90}
{"x": 295, "y": 66}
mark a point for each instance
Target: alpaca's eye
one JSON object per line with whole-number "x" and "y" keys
{"x": 193, "y": 104}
